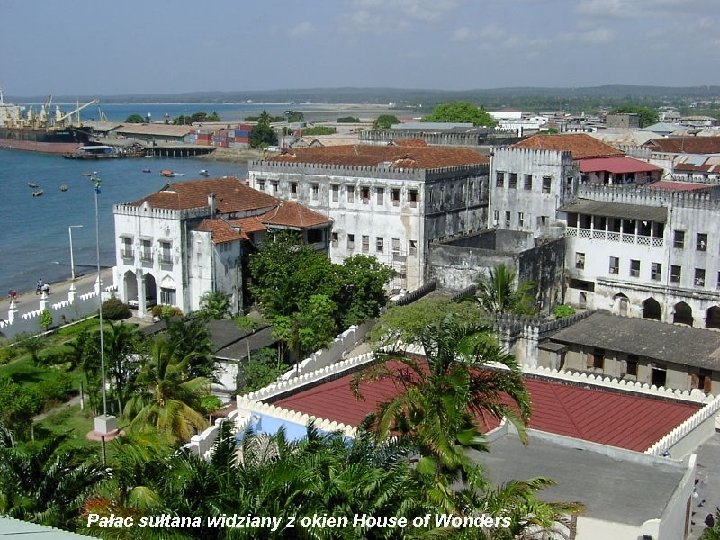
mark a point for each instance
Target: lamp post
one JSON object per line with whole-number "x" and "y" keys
{"x": 105, "y": 426}
{"x": 72, "y": 261}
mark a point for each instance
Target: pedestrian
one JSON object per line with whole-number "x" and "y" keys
{"x": 710, "y": 520}
{"x": 38, "y": 289}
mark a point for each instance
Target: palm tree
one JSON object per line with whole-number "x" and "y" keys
{"x": 441, "y": 399}
{"x": 121, "y": 343}
{"x": 47, "y": 484}
{"x": 497, "y": 293}
{"x": 168, "y": 400}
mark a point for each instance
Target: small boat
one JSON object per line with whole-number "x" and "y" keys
{"x": 63, "y": 187}
{"x": 169, "y": 173}
{"x": 37, "y": 193}
{"x": 146, "y": 171}
{"x": 204, "y": 172}
{"x": 33, "y": 185}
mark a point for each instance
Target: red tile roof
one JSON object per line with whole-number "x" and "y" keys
{"x": 580, "y": 145}
{"x": 602, "y": 416}
{"x": 710, "y": 168}
{"x": 295, "y": 215}
{"x": 677, "y": 186}
{"x": 373, "y": 156}
{"x": 231, "y": 195}
{"x": 220, "y": 231}
{"x": 686, "y": 145}
{"x": 616, "y": 165}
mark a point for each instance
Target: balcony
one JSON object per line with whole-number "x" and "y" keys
{"x": 127, "y": 254}
{"x": 613, "y": 236}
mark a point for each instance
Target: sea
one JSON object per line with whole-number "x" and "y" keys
{"x": 34, "y": 237}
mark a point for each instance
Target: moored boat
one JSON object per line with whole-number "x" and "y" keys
{"x": 37, "y": 193}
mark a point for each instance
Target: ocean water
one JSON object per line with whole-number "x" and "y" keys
{"x": 34, "y": 240}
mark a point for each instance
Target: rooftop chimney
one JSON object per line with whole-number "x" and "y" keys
{"x": 211, "y": 204}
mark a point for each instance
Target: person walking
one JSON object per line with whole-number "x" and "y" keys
{"x": 38, "y": 288}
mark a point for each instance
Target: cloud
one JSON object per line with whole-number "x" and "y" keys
{"x": 302, "y": 29}
{"x": 379, "y": 16}
{"x": 638, "y": 9}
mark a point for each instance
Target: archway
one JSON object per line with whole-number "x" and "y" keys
{"x": 130, "y": 287}
{"x": 683, "y": 314}
{"x": 712, "y": 317}
{"x": 652, "y": 309}
{"x": 621, "y": 304}
{"x": 150, "y": 290}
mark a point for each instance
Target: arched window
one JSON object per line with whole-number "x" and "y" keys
{"x": 652, "y": 309}
{"x": 683, "y": 314}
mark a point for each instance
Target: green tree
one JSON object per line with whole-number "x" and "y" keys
{"x": 363, "y": 294}
{"x": 441, "y": 400}
{"x": 294, "y": 116}
{"x": 646, "y": 115}
{"x": 260, "y": 370}
{"x": 385, "y": 121}
{"x": 46, "y": 484}
{"x": 348, "y": 120}
{"x": 46, "y": 319}
{"x": 262, "y": 134}
{"x": 18, "y": 404}
{"x": 319, "y": 130}
{"x": 167, "y": 400}
{"x": 135, "y": 119}
{"x": 189, "y": 342}
{"x": 497, "y": 293}
{"x": 459, "y": 111}
{"x": 122, "y": 344}
{"x": 214, "y": 305}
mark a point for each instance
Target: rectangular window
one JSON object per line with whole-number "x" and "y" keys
{"x": 412, "y": 250}
{"x": 547, "y": 184}
{"x": 146, "y": 250}
{"x": 274, "y": 186}
{"x": 521, "y": 219}
{"x": 261, "y": 185}
{"x": 674, "y": 273}
{"x": 512, "y": 181}
{"x": 395, "y": 245}
{"x": 380, "y": 194}
{"x": 701, "y": 242}
{"x": 699, "y": 277}
{"x": 378, "y": 244}
{"x": 333, "y": 239}
{"x": 614, "y": 265}
{"x": 634, "y": 268}
{"x": 365, "y": 194}
{"x": 413, "y": 198}
{"x": 315, "y": 236}
{"x": 507, "y": 219}
{"x": 350, "y": 193}
{"x": 500, "y": 179}
{"x": 166, "y": 252}
{"x": 656, "y": 272}
{"x": 679, "y": 239}
{"x": 315, "y": 191}
{"x": 632, "y": 365}
{"x": 335, "y": 189}
{"x": 528, "y": 182}
{"x": 167, "y": 296}
{"x": 579, "y": 260}
{"x": 496, "y": 217}
{"x": 596, "y": 359}
{"x": 395, "y": 197}
{"x": 126, "y": 251}
{"x": 350, "y": 242}
{"x": 293, "y": 190}
{"x": 365, "y": 244}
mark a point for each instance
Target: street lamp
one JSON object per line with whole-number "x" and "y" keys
{"x": 72, "y": 261}
{"x": 105, "y": 426}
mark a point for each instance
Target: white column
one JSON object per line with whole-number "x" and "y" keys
{"x": 43, "y": 300}
{"x": 12, "y": 310}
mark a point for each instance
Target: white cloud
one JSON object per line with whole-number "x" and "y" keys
{"x": 302, "y": 29}
{"x": 379, "y": 16}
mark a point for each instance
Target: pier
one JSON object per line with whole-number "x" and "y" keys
{"x": 175, "y": 151}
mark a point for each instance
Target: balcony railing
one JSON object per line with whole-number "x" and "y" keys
{"x": 613, "y": 236}
{"x": 127, "y": 254}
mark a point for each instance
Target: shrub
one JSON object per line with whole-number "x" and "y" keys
{"x": 55, "y": 355}
{"x": 348, "y": 119}
{"x": 562, "y": 310}
{"x": 114, "y": 309}
{"x": 210, "y": 404}
{"x": 46, "y": 319}
{"x": 166, "y": 312}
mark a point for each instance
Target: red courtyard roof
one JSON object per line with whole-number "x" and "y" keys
{"x": 616, "y": 165}
{"x": 678, "y": 186}
{"x": 602, "y": 416}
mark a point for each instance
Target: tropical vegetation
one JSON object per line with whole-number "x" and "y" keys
{"x": 497, "y": 292}
{"x": 385, "y": 121}
{"x": 262, "y": 134}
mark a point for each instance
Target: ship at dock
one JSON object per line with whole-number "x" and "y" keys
{"x": 22, "y": 128}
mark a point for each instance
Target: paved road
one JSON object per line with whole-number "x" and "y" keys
{"x": 28, "y": 300}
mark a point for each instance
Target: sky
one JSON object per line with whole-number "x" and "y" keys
{"x": 174, "y": 46}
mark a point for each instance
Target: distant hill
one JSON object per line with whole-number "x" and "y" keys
{"x": 537, "y": 97}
